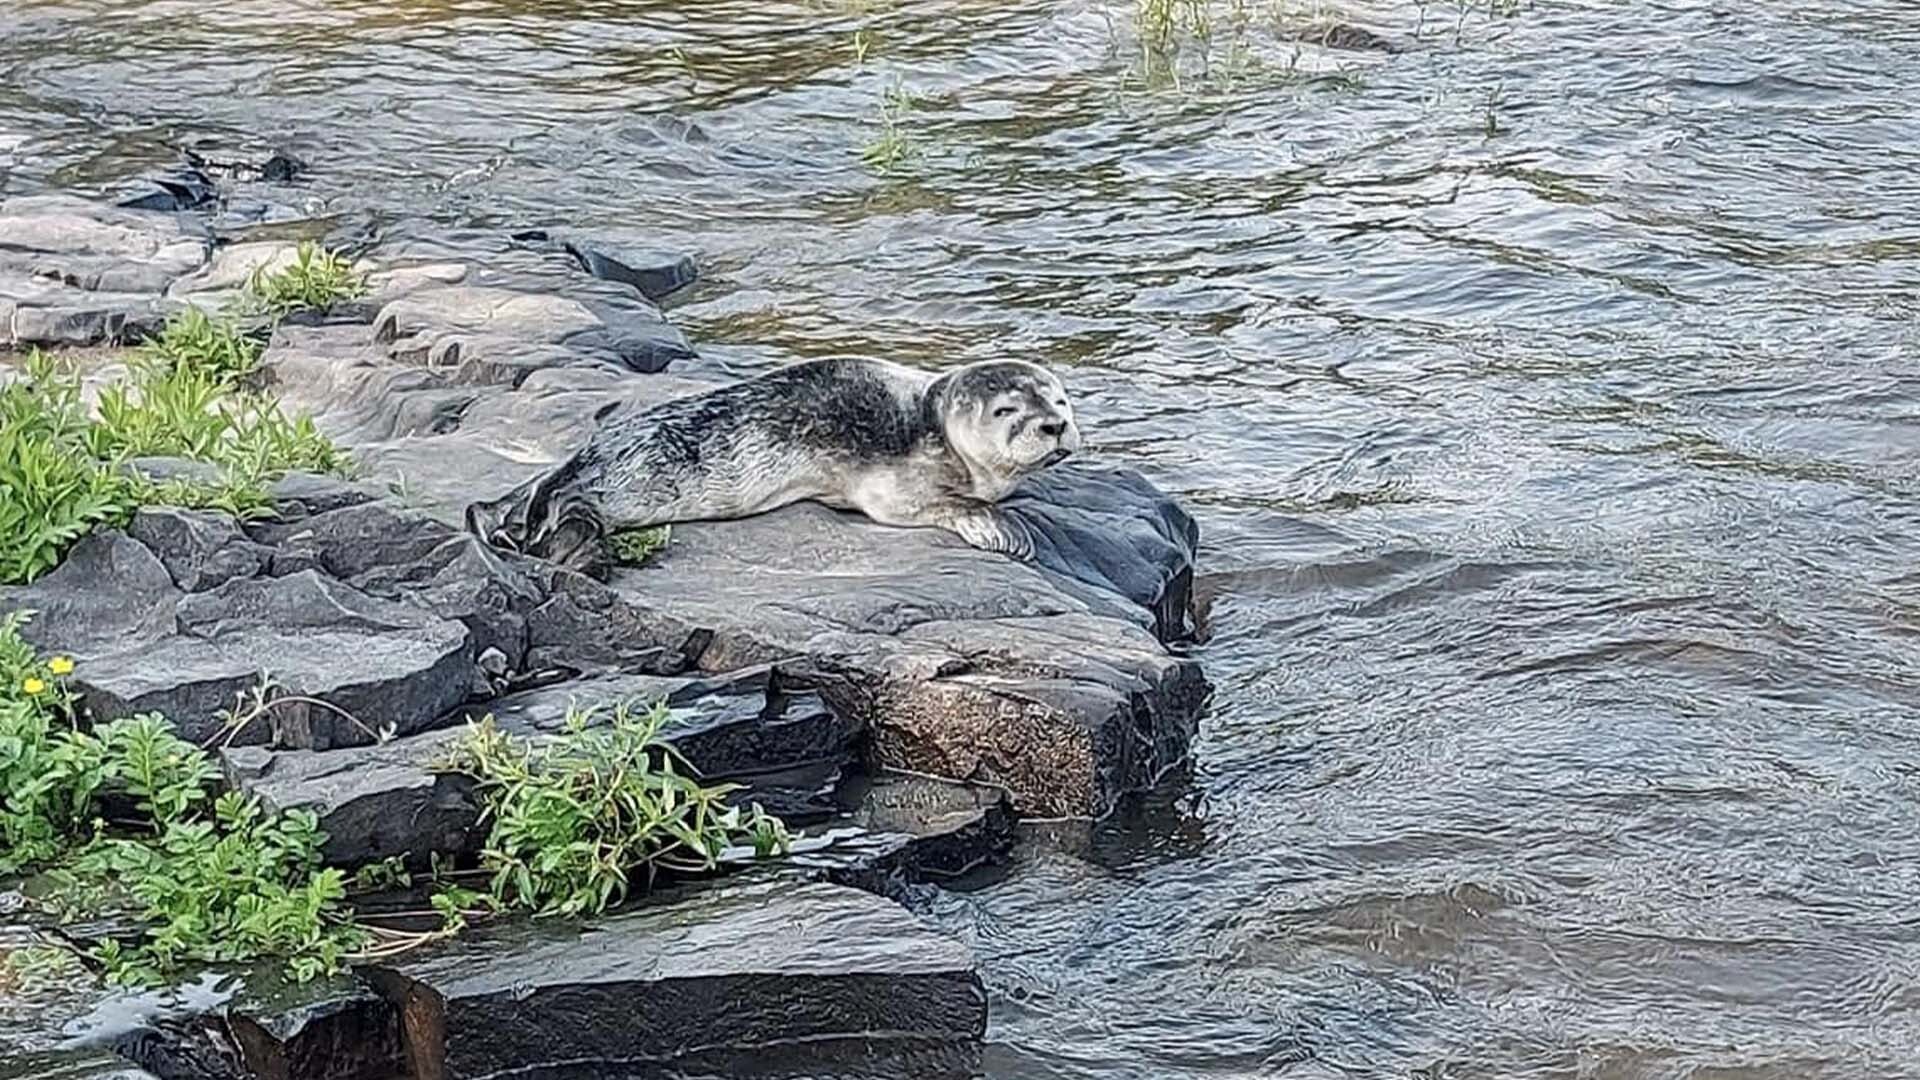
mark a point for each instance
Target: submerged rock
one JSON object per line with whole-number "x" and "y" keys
{"x": 770, "y": 970}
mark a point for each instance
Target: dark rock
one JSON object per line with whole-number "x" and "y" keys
{"x": 110, "y": 593}
{"x": 1067, "y": 713}
{"x": 653, "y": 273}
{"x": 390, "y": 552}
{"x": 142, "y": 646}
{"x": 379, "y": 801}
{"x": 301, "y": 494}
{"x": 199, "y": 549}
{"x": 1105, "y": 526}
{"x": 904, "y": 830}
{"x": 374, "y": 802}
{"x": 177, "y": 189}
{"x": 779, "y": 968}
{"x": 378, "y": 662}
{"x": 70, "y": 1065}
{"x": 260, "y": 1027}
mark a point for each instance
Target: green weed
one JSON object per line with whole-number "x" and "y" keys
{"x": 193, "y": 340}
{"x": 63, "y": 474}
{"x": 893, "y": 147}
{"x": 314, "y": 281}
{"x": 209, "y": 879}
{"x": 572, "y": 820}
{"x": 632, "y": 547}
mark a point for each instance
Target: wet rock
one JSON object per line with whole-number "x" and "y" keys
{"x": 903, "y": 831}
{"x": 179, "y": 188}
{"x": 653, "y": 273}
{"x": 259, "y": 1027}
{"x": 70, "y": 1065}
{"x": 778, "y": 968}
{"x": 1068, "y": 713}
{"x": 374, "y": 802}
{"x": 380, "y": 801}
{"x": 1105, "y": 526}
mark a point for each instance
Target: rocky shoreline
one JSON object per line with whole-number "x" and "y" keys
{"x": 899, "y": 698}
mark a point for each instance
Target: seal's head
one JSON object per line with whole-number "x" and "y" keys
{"x": 1005, "y": 419}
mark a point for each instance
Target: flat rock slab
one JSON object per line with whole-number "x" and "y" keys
{"x": 144, "y": 645}
{"x": 74, "y": 272}
{"x": 391, "y": 799}
{"x": 760, "y": 970}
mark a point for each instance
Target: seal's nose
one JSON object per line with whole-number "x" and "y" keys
{"x": 1053, "y": 428}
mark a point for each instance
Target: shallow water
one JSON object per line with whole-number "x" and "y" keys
{"x": 1549, "y": 393}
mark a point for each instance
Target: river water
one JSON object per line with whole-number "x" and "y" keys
{"x": 1548, "y": 391}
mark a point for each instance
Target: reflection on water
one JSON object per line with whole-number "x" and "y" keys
{"x": 1548, "y": 388}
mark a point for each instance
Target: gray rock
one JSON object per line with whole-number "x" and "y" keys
{"x": 374, "y": 802}
{"x": 654, "y": 273}
{"x": 775, "y": 969}
{"x": 477, "y": 321}
{"x": 903, "y": 831}
{"x": 1105, "y": 526}
{"x": 110, "y": 593}
{"x": 74, "y": 272}
{"x": 1067, "y": 713}
{"x": 199, "y": 549}
{"x": 70, "y": 1065}
{"x": 144, "y": 646}
{"x": 302, "y": 494}
{"x": 380, "y": 801}
{"x": 259, "y": 1026}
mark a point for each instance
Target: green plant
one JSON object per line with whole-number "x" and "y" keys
{"x": 571, "y": 820}
{"x": 239, "y": 885}
{"x": 315, "y": 280}
{"x": 39, "y": 969}
{"x": 52, "y": 489}
{"x": 892, "y": 147}
{"x": 196, "y": 341}
{"x": 62, "y": 473}
{"x": 210, "y": 879}
{"x": 635, "y": 546}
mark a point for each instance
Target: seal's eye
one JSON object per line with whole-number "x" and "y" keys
{"x": 1004, "y": 411}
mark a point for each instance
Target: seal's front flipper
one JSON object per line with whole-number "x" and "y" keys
{"x": 990, "y": 530}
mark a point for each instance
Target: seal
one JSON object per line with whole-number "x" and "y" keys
{"x": 902, "y": 446}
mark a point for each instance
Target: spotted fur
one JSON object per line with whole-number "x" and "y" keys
{"x": 901, "y": 446}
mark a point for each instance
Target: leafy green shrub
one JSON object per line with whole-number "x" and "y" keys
{"x": 635, "y": 546}
{"x": 62, "y": 472}
{"x": 210, "y": 879}
{"x": 571, "y": 820}
{"x": 315, "y": 280}
{"x": 215, "y": 347}
{"x": 52, "y": 490}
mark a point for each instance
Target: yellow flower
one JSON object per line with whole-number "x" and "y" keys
{"x": 33, "y": 686}
{"x": 61, "y": 665}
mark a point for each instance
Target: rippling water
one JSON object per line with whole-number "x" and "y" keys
{"x": 1549, "y": 391}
